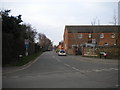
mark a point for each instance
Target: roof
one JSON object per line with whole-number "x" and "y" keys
{"x": 92, "y": 29}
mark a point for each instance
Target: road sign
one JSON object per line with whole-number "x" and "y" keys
{"x": 26, "y": 41}
{"x": 26, "y": 45}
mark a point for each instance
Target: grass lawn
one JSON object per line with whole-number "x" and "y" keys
{"x": 27, "y": 59}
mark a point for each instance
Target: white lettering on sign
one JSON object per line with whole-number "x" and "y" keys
{"x": 26, "y": 41}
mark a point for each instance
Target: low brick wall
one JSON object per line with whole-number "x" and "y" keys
{"x": 89, "y": 52}
{"x": 70, "y": 52}
{"x": 113, "y": 52}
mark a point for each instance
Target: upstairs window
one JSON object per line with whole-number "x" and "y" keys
{"x": 101, "y": 35}
{"x": 113, "y": 35}
{"x": 89, "y": 35}
{"x": 80, "y": 36}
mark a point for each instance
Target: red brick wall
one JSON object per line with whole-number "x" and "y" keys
{"x": 107, "y": 39}
{"x": 65, "y": 44}
{"x": 60, "y": 46}
{"x": 72, "y": 39}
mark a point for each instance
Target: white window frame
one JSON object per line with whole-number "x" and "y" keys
{"x": 114, "y": 44}
{"x": 89, "y": 35}
{"x": 80, "y": 36}
{"x": 106, "y": 44}
{"x": 113, "y": 35}
{"x": 102, "y": 35}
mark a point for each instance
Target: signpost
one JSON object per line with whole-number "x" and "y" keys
{"x": 26, "y": 41}
{"x": 26, "y": 46}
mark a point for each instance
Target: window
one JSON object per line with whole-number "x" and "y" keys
{"x": 113, "y": 35}
{"x": 74, "y": 46}
{"x": 114, "y": 44}
{"x": 106, "y": 44}
{"x": 80, "y": 36}
{"x": 89, "y": 35}
{"x": 101, "y": 35}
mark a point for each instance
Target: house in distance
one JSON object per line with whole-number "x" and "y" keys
{"x": 76, "y": 36}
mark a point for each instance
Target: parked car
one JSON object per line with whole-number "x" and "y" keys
{"x": 61, "y": 53}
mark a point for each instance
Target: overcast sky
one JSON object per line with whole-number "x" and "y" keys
{"x": 51, "y": 16}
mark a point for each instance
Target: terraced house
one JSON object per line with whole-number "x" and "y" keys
{"x": 76, "y": 36}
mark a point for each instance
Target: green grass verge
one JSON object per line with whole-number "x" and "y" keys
{"x": 27, "y": 59}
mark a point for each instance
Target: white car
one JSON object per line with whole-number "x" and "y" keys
{"x": 61, "y": 53}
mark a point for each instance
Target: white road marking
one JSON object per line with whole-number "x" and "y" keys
{"x": 115, "y": 69}
{"x": 58, "y": 60}
{"x": 97, "y": 70}
{"x": 117, "y": 85}
{"x": 67, "y": 65}
{"x": 102, "y": 69}
{"x": 75, "y": 68}
{"x": 109, "y": 69}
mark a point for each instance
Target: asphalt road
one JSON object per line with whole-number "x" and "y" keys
{"x": 53, "y": 71}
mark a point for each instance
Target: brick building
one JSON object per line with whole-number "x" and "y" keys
{"x": 101, "y": 35}
{"x": 60, "y": 46}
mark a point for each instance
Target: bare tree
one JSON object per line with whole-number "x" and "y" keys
{"x": 95, "y": 36}
{"x": 44, "y": 42}
{"x": 94, "y": 21}
{"x": 114, "y": 22}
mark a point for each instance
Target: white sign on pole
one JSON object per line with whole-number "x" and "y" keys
{"x": 26, "y": 41}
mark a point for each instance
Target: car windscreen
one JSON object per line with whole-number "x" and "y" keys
{"x": 62, "y": 51}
